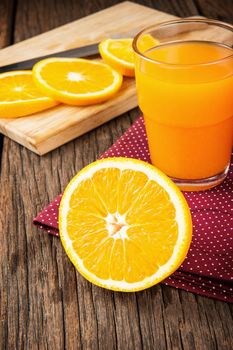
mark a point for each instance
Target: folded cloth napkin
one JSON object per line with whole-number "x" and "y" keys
{"x": 208, "y": 267}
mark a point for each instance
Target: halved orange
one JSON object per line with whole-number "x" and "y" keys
{"x": 119, "y": 54}
{"x": 76, "y": 81}
{"x": 124, "y": 224}
{"x": 19, "y": 96}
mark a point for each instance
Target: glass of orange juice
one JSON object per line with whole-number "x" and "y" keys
{"x": 184, "y": 79}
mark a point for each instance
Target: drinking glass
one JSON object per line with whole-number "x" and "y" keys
{"x": 184, "y": 79}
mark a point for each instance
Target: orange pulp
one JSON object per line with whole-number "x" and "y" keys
{"x": 186, "y": 95}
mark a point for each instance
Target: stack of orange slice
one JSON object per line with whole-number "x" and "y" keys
{"x": 68, "y": 80}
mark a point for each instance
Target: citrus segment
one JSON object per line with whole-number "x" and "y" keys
{"x": 76, "y": 81}
{"x": 119, "y": 54}
{"x": 19, "y": 96}
{"x": 146, "y": 42}
{"x": 111, "y": 178}
{"x": 124, "y": 224}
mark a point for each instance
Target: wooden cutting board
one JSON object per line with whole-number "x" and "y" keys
{"x": 47, "y": 130}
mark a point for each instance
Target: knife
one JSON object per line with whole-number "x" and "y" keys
{"x": 83, "y": 51}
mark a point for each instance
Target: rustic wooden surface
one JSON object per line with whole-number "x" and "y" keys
{"x": 44, "y": 302}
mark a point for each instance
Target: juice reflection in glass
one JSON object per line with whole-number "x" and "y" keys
{"x": 185, "y": 91}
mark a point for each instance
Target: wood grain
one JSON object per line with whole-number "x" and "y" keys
{"x": 44, "y": 302}
{"x": 217, "y": 9}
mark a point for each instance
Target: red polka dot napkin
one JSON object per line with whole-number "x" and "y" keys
{"x": 208, "y": 268}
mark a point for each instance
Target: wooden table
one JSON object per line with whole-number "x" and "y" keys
{"x": 44, "y": 302}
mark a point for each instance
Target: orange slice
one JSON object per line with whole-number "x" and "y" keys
{"x": 124, "y": 224}
{"x": 19, "y": 95}
{"x": 119, "y": 54}
{"x": 146, "y": 42}
{"x": 76, "y": 81}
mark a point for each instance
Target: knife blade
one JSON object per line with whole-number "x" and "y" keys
{"x": 84, "y": 51}
{"x": 79, "y": 52}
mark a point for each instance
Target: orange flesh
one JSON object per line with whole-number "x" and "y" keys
{"x": 188, "y": 111}
{"x": 19, "y": 96}
{"x": 76, "y": 77}
{"x": 152, "y": 230}
{"x": 122, "y": 50}
{"x": 18, "y": 88}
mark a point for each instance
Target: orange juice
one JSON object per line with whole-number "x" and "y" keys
{"x": 185, "y": 91}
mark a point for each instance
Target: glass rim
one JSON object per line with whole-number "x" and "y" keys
{"x": 221, "y": 24}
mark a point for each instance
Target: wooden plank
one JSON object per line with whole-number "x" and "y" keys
{"x": 6, "y": 27}
{"x": 49, "y": 129}
{"x": 221, "y": 10}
